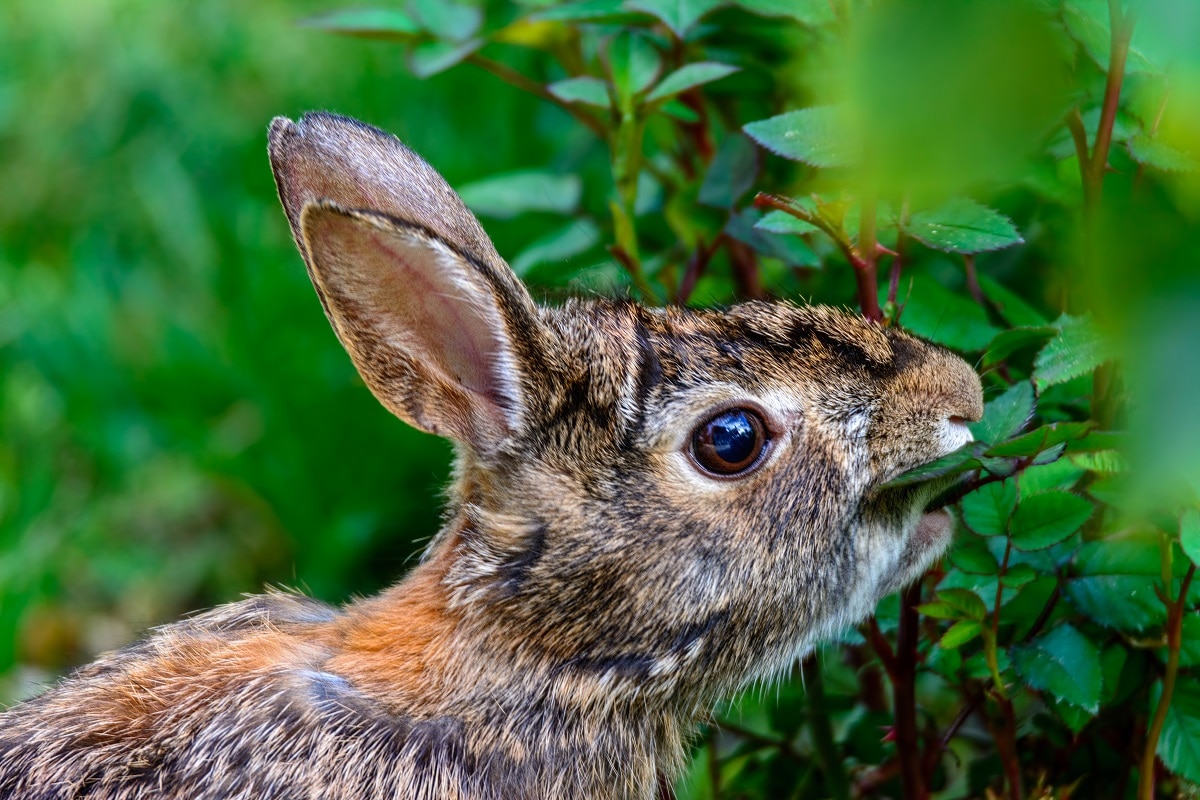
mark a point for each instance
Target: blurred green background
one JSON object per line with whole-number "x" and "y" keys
{"x": 178, "y": 424}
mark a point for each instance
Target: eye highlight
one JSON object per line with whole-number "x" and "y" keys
{"x": 731, "y": 443}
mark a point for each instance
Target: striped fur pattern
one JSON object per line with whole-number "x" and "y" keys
{"x": 593, "y": 592}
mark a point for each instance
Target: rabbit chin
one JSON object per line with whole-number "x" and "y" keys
{"x": 930, "y": 538}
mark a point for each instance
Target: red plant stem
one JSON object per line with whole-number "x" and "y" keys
{"x": 904, "y": 694}
{"x": 882, "y": 648}
{"x": 1174, "y": 640}
{"x": 1122, "y": 32}
{"x": 973, "y": 280}
{"x": 866, "y": 269}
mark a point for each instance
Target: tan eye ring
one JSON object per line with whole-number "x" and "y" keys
{"x": 731, "y": 443}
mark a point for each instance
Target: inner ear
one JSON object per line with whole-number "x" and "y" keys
{"x": 423, "y": 325}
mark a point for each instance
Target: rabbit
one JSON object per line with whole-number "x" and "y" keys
{"x": 651, "y": 508}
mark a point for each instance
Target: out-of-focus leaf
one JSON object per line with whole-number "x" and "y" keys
{"x": 986, "y": 510}
{"x": 570, "y": 240}
{"x": 962, "y": 226}
{"x": 508, "y": 195}
{"x": 430, "y": 58}
{"x": 1006, "y": 415}
{"x": 368, "y": 23}
{"x": 633, "y": 64}
{"x": 689, "y": 76}
{"x": 965, "y": 601}
{"x": 1064, "y": 663}
{"x": 584, "y": 89}
{"x": 960, "y": 633}
{"x": 784, "y": 223}
{"x": 1015, "y": 310}
{"x": 1160, "y": 155}
{"x": 449, "y": 21}
{"x": 941, "y": 611}
{"x": 1046, "y": 519}
{"x": 933, "y": 311}
{"x": 810, "y": 12}
{"x": 1179, "y": 743}
{"x": 815, "y": 136}
{"x": 1103, "y": 462}
{"x": 1009, "y": 341}
{"x": 731, "y": 173}
{"x": 678, "y": 15}
{"x": 1088, "y": 23}
{"x": 1077, "y": 349}
{"x": 1059, "y": 475}
{"x": 1040, "y": 439}
{"x": 593, "y": 11}
{"x": 1189, "y": 534}
{"x": 680, "y": 111}
{"x": 1018, "y": 575}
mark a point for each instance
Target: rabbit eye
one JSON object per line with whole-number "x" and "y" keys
{"x": 731, "y": 442}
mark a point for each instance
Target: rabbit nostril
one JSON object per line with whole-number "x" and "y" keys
{"x": 955, "y": 419}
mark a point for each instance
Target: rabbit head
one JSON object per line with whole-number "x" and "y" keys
{"x": 670, "y": 501}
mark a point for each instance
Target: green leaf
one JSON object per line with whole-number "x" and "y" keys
{"x": 815, "y": 136}
{"x": 1088, "y": 23}
{"x": 1189, "y": 534}
{"x": 812, "y": 13}
{"x": 1064, "y": 663}
{"x": 584, "y": 89}
{"x": 591, "y": 11}
{"x": 1040, "y": 439}
{"x": 451, "y": 22}
{"x": 940, "y": 611}
{"x": 633, "y": 64}
{"x": 368, "y": 23}
{"x": 430, "y": 58}
{"x": 1010, "y": 341}
{"x": 689, "y": 76}
{"x": 1115, "y": 580}
{"x": 570, "y": 240}
{"x": 962, "y": 226}
{"x": 731, "y": 173}
{"x": 1160, "y": 155}
{"x": 1046, "y": 519}
{"x": 1018, "y": 575}
{"x": 946, "y": 317}
{"x": 784, "y": 223}
{"x": 1006, "y": 415}
{"x": 986, "y": 510}
{"x": 513, "y": 193}
{"x": 678, "y": 15}
{"x": 971, "y": 555}
{"x": 961, "y": 460}
{"x": 1077, "y": 350}
{"x": 1179, "y": 743}
{"x": 1012, "y": 307}
{"x": 1102, "y": 462}
{"x": 1061, "y": 474}
{"x": 965, "y": 601}
{"x": 960, "y": 633}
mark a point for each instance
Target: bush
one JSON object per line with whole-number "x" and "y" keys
{"x": 1017, "y": 181}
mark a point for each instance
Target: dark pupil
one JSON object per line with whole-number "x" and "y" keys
{"x": 733, "y": 437}
{"x": 730, "y": 442}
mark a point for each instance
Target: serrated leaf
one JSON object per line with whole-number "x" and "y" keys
{"x": 815, "y": 136}
{"x": 1189, "y": 534}
{"x": 986, "y": 510}
{"x": 368, "y": 23}
{"x": 689, "y": 76}
{"x": 784, "y": 223}
{"x": 513, "y": 193}
{"x": 962, "y": 226}
{"x": 1179, "y": 742}
{"x": 1010, "y": 341}
{"x": 1115, "y": 581}
{"x": 1018, "y": 575}
{"x": 1153, "y": 153}
{"x": 961, "y": 460}
{"x": 960, "y": 633}
{"x": 1077, "y": 350}
{"x": 1039, "y": 440}
{"x": 971, "y": 555}
{"x": 813, "y": 13}
{"x": 1045, "y": 519}
{"x": 678, "y": 15}
{"x": 584, "y": 89}
{"x": 1006, "y": 415}
{"x": 1059, "y": 475}
{"x": 1064, "y": 663}
{"x": 570, "y": 240}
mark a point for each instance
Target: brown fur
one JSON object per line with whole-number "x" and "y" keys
{"x": 593, "y": 592}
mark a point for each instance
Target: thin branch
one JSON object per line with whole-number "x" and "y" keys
{"x": 519, "y": 81}
{"x": 904, "y": 693}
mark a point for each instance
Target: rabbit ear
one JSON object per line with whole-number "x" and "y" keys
{"x": 437, "y": 325}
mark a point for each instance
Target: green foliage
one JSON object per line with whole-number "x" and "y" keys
{"x": 178, "y": 425}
